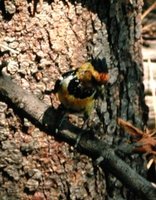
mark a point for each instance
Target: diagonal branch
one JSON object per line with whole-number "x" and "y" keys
{"x": 48, "y": 118}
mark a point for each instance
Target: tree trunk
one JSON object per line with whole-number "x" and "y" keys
{"x": 42, "y": 40}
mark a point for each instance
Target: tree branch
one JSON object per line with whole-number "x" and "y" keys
{"x": 48, "y": 117}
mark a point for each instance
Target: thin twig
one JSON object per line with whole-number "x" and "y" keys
{"x": 10, "y": 49}
{"x": 152, "y": 7}
{"x": 148, "y": 26}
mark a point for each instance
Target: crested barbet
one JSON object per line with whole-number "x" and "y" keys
{"x": 78, "y": 89}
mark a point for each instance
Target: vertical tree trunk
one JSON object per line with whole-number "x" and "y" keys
{"x": 39, "y": 47}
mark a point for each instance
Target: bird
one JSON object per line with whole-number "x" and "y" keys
{"x": 77, "y": 89}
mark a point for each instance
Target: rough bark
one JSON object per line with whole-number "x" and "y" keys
{"x": 101, "y": 152}
{"x": 39, "y": 46}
